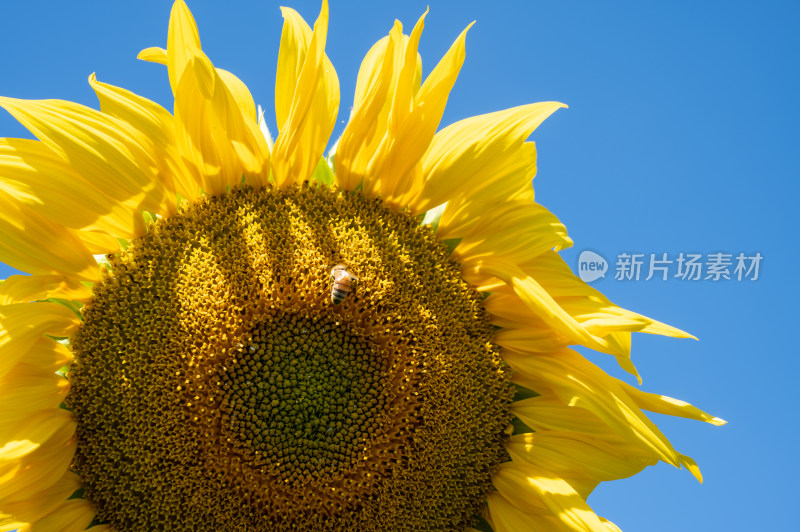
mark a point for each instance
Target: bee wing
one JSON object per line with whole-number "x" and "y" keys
{"x": 332, "y": 271}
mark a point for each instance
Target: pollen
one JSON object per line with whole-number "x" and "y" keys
{"x": 217, "y": 386}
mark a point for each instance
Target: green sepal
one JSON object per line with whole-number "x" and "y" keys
{"x": 452, "y": 243}
{"x": 74, "y": 306}
{"x": 520, "y": 427}
{"x": 149, "y": 217}
{"x": 433, "y": 216}
{"x": 78, "y": 493}
{"x": 482, "y": 525}
{"x": 323, "y": 173}
{"x": 521, "y": 392}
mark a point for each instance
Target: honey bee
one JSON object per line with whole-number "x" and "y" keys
{"x": 343, "y": 283}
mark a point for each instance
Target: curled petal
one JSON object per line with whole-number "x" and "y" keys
{"x": 576, "y": 381}
{"x": 364, "y": 131}
{"x": 213, "y": 133}
{"x": 306, "y": 98}
{"x": 606, "y": 327}
{"x": 398, "y": 163}
{"x": 662, "y": 404}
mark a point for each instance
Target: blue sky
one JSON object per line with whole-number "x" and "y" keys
{"x": 680, "y": 138}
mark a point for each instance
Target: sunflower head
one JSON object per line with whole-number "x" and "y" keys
{"x": 219, "y": 331}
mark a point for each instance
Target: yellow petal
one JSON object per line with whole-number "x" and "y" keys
{"x": 21, "y": 289}
{"x": 22, "y": 439}
{"x": 609, "y": 526}
{"x": 518, "y": 232}
{"x": 688, "y": 463}
{"x": 216, "y": 125}
{"x": 662, "y": 404}
{"x": 241, "y": 94}
{"x": 408, "y": 78}
{"x": 239, "y": 91}
{"x": 551, "y": 270}
{"x": 26, "y": 288}
{"x": 572, "y": 456}
{"x": 73, "y": 515}
{"x": 306, "y": 98}
{"x": 198, "y": 135}
{"x": 156, "y": 125}
{"x": 511, "y": 484}
{"x": 480, "y": 155}
{"x": 28, "y": 388}
{"x": 367, "y": 124}
{"x": 577, "y": 381}
{"x": 533, "y": 340}
{"x": 104, "y": 150}
{"x": 153, "y": 54}
{"x": 295, "y": 38}
{"x": 548, "y": 413}
{"x": 47, "y": 354}
{"x": 504, "y": 516}
{"x": 218, "y": 106}
{"x": 538, "y": 300}
{"x": 256, "y": 156}
{"x": 45, "y": 182}
{"x": 406, "y": 69}
{"x": 600, "y": 319}
{"x": 24, "y": 508}
{"x": 412, "y": 127}
{"x": 37, "y": 454}
{"x": 213, "y": 133}
{"x": 545, "y": 323}
{"x": 36, "y": 245}
{"x": 183, "y": 43}
{"x": 396, "y": 114}
{"x": 606, "y": 326}
{"x": 99, "y": 243}
{"x": 22, "y": 325}
{"x": 530, "y": 488}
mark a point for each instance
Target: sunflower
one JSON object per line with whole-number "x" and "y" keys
{"x": 219, "y": 332}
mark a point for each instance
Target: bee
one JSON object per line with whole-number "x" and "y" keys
{"x": 343, "y": 283}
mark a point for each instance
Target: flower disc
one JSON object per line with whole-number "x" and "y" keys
{"x": 216, "y": 386}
